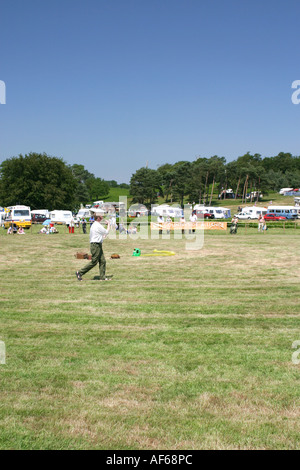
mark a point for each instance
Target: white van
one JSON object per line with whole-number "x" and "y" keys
{"x": 251, "y": 212}
{"x": 19, "y": 215}
{"x": 61, "y": 217}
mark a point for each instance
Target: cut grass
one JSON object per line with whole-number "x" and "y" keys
{"x": 191, "y": 351}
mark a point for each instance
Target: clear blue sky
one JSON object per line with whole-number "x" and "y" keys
{"x": 114, "y": 84}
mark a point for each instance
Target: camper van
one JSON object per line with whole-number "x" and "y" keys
{"x": 252, "y": 212}
{"x": 82, "y": 213}
{"x": 61, "y": 217}
{"x": 217, "y": 212}
{"x": 289, "y": 212}
{"x": 18, "y": 215}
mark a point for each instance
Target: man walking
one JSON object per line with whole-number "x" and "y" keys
{"x": 97, "y": 235}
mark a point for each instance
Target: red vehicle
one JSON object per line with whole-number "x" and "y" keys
{"x": 38, "y": 218}
{"x": 270, "y": 217}
{"x": 205, "y": 215}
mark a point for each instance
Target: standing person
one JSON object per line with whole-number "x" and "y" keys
{"x": 234, "y": 223}
{"x": 169, "y": 221}
{"x": 83, "y": 225}
{"x": 264, "y": 224}
{"x": 72, "y": 225}
{"x": 260, "y": 223}
{"x": 182, "y": 223}
{"x": 97, "y": 235}
{"x": 193, "y": 220}
{"x": 160, "y": 220}
{"x": 113, "y": 221}
{"x": 91, "y": 221}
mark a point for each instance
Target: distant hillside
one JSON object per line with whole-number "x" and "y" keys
{"x": 115, "y": 193}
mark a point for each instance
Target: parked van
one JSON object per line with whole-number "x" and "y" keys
{"x": 290, "y": 212}
{"x": 18, "y": 215}
{"x": 61, "y": 217}
{"x": 252, "y": 212}
{"x": 44, "y": 212}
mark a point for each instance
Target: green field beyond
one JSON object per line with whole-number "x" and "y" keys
{"x": 192, "y": 351}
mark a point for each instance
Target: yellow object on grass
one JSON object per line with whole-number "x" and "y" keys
{"x": 161, "y": 253}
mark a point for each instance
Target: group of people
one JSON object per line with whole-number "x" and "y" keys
{"x": 262, "y": 226}
{"x": 48, "y": 230}
{"x": 14, "y": 229}
{"x": 98, "y": 233}
{"x": 193, "y": 220}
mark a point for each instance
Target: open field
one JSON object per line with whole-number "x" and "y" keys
{"x": 192, "y": 351}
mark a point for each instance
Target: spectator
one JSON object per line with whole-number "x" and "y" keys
{"x": 234, "y": 224}
{"x": 83, "y": 225}
{"x": 160, "y": 221}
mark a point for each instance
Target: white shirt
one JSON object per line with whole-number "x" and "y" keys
{"x": 97, "y": 233}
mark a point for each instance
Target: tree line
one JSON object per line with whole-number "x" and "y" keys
{"x": 199, "y": 180}
{"x": 42, "y": 181}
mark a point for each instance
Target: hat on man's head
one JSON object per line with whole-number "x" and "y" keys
{"x": 99, "y": 214}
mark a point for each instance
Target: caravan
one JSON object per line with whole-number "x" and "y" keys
{"x": 167, "y": 211}
{"x": 216, "y": 212}
{"x": 61, "y": 217}
{"x": 83, "y": 213}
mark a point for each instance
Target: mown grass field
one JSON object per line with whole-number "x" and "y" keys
{"x": 192, "y": 351}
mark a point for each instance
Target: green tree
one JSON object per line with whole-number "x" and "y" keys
{"x": 37, "y": 180}
{"x": 167, "y": 177}
{"x": 144, "y": 186}
{"x": 112, "y": 183}
{"x": 98, "y": 188}
{"x": 182, "y": 177}
{"x": 82, "y": 194}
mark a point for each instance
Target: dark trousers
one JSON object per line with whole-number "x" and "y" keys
{"x": 97, "y": 258}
